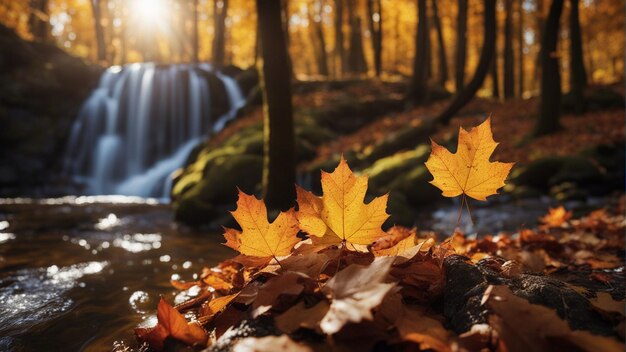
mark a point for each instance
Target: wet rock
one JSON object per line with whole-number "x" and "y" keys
{"x": 41, "y": 90}
{"x": 415, "y": 186}
{"x": 543, "y": 173}
{"x": 386, "y": 170}
{"x": 401, "y": 212}
{"x": 466, "y": 284}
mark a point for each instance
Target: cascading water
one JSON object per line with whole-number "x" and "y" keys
{"x": 141, "y": 123}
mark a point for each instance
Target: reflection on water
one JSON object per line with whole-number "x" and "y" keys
{"x": 79, "y": 273}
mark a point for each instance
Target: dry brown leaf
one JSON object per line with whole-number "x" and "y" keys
{"x": 416, "y": 326}
{"x": 354, "y": 292}
{"x": 299, "y": 316}
{"x": 542, "y": 329}
{"x": 269, "y": 344}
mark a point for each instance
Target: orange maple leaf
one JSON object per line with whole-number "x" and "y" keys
{"x": 259, "y": 237}
{"x": 171, "y": 324}
{"x": 468, "y": 171}
{"x": 341, "y": 214}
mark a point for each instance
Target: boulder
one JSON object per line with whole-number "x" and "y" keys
{"x": 415, "y": 186}
{"x": 386, "y": 170}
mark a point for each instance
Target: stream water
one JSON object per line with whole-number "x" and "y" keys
{"x": 79, "y": 273}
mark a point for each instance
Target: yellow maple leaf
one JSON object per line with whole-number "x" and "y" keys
{"x": 341, "y": 214}
{"x": 259, "y": 237}
{"x": 468, "y": 171}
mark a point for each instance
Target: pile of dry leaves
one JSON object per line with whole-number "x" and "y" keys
{"x": 327, "y": 277}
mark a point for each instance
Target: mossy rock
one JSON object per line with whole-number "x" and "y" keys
{"x": 545, "y": 172}
{"x": 401, "y": 212}
{"x": 314, "y": 133}
{"x": 404, "y": 139}
{"x": 193, "y": 211}
{"x": 415, "y": 186}
{"x": 224, "y": 174}
{"x": 386, "y": 170}
{"x": 568, "y": 191}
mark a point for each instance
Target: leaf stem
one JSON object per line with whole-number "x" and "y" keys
{"x": 278, "y": 262}
{"x": 468, "y": 211}
{"x": 458, "y": 219}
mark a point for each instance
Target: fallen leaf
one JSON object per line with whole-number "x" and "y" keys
{"x": 258, "y": 237}
{"x": 468, "y": 171}
{"x": 301, "y": 316}
{"x": 341, "y": 214}
{"x": 269, "y": 344}
{"x": 397, "y": 240}
{"x": 287, "y": 283}
{"x": 604, "y": 302}
{"x": 354, "y": 292}
{"x": 542, "y": 329}
{"x": 172, "y": 324}
{"x": 214, "y": 306}
{"x": 416, "y": 326}
{"x": 556, "y": 217}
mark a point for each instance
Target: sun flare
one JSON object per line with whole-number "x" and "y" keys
{"x": 150, "y": 12}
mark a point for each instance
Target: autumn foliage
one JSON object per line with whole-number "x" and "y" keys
{"x": 328, "y": 277}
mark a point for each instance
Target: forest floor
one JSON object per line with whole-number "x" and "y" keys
{"x": 555, "y": 286}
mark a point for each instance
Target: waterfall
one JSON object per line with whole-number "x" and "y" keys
{"x": 142, "y": 122}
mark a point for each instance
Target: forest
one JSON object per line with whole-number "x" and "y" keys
{"x": 312, "y": 175}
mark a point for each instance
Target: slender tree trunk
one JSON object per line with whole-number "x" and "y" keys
{"x": 461, "y": 45}
{"x": 279, "y": 175}
{"x": 356, "y": 56}
{"x": 550, "y": 105}
{"x": 578, "y": 74}
{"x": 539, "y": 15}
{"x": 340, "y": 52}
{"x": 520, "y": 49}
{"x": 486, "y": 56}
{"x": 317, "y": 37}
{"x": 509, "y": 56}
{"x": 195, "y": 40}
{"x": 443, "y": 60}
{"x": 417, "y": 93}
{"x": 97, "y": 17}
{"x": 284, "y": 11}
{"x": 375, "y": 21}
{"x": 38, "y": 20}
{"x": 220, "y": 10}
{"x": 495, "y": 77}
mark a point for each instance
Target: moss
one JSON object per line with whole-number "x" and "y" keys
{"x": 415, "y": 186}
{"x": 386, "y": 170}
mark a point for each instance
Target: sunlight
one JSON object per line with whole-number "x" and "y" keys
{"x": 150, "y": 12}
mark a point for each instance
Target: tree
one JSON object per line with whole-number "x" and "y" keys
{"x": 97, "y": 21}
{"x": 486, "y": 56}
{"x": 317, "y": 37}
{"x": 443, "y": 60}
{"x": 495, "y": 77}
{"x": 509, "y": 58}
{"x": 460, "y": 55}
{"x": 418, "y": 86}
{"x": 220, "y": 9}
{"x": 550, "y": 104}
{"x": 578, "y": 74}
{"x": 375, "y": 21}
{"x": 38, "y": 20}
{"x": 195, "y": 40}
{"x": 340, "y": 52}
{"x": 279, "y": 171}
{"x": 520, "y": 49}
{"x": 356, "y": 56}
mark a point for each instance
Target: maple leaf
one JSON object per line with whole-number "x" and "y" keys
{"x": 542, "y": 330}
{"x": 556, "y": 217}
{"x": 397, "y": 240}
{"x": 355, "y": 291}
{"x": 171, "y": 324}
{"x": 341, "y": 214}
{"x": 468, "y": 171}
{"x": 259, "y": 237}
{"x": 416, "y": 326}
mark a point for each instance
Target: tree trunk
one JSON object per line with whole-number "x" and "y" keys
{"x": 284, "y": 11}
{"x": 279, "y": 171}
{"x": 461, "y": 45}
{"x": 539, "y": 15}
{"x": 38, "y": 20}
{"x": 418, "y": 86}
{"x": 220, "y": 9}
{"x": 340, "y": 52}
{"x": 443, "y": 60}
{"x": 101, "y": 46}
{"x": 195, "y": 41}
{"x": 520, "y": 49}
{"x": 486, "y": 56}
{"x": 578, "y": 74}
{"x": 317, "y": 37}
{"x": 375, "y": 21}
{"x": 356, "y": 56}
{"x": 550, "y": 105}
{"x": 509, "y": 57}
{"x": 495, "y": 77}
